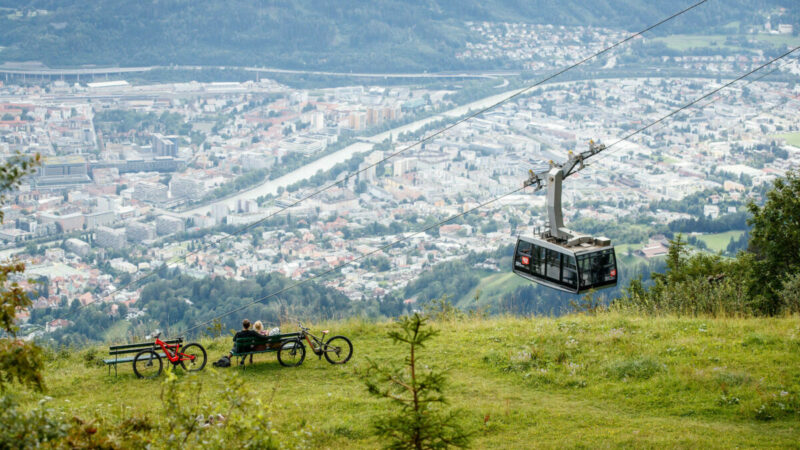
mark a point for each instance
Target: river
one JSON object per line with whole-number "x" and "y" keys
{"x": 327, "y": 162}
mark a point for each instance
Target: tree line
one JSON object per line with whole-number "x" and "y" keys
{"x": 763, "y": 279}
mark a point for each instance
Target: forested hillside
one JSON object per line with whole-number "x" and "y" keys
{"x": 175, "y": 302}
{"x": 379, "y": 35}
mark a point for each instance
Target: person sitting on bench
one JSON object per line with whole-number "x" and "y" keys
{"x": 259, "y": 327}
{"x": 245, "y": 332}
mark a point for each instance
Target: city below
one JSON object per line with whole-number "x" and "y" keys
{"x": 138, "y": 176}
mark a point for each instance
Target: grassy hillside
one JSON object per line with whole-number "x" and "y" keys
{"x": 491, "y": 289}
{"x": 607, "y": 380}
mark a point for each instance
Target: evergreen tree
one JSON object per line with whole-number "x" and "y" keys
{"x": 419, "y": 422}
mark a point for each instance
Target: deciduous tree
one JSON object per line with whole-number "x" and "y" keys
{"x": 20, "y": 361}
{"x": 775, "y": 238}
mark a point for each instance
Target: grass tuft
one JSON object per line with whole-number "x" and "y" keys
{"x": 639, "y": 368}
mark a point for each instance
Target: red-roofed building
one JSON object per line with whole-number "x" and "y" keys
{"x": 653, "y": 251}
{"x": 56, "y": 324}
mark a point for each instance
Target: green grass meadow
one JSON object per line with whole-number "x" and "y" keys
{"x": 577, "y": 381}
{"x": 686, "y": 41}
{"x": 792, "y": 139}
{"x": 718, "y": 242}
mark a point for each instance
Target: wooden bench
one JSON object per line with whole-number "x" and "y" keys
{"x": 119, "y": 352}
{"x": 253, "y": 345}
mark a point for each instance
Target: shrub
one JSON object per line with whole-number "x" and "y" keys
{"x": 22, "y": 428}
{"x": 790, "y": 294}
{"x": 235, "y": 416}
{"x": 92, "y": 358}
{"x": 443, "y": 310}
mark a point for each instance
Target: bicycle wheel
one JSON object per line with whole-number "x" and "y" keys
{"x": 147, "y": 364}
{"x": 291, "y": 354}
{"x": 199, "y": 361}
{"x": 338, "y": 350}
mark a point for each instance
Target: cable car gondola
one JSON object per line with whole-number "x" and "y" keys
{"x": 558, "y": 257}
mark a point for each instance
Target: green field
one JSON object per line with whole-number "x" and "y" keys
{"x": 779, "y": 39}
{"x": 118, "y": 332}
{"x": 576, "y": 381}
{"x": 684, "y": 42}
{"x": 718, "y": 242}
{"x": 791, "y": 139}
{"x": 621, "y": 251}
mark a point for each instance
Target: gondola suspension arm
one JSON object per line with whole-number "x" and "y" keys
{"x": 553, "y": 178}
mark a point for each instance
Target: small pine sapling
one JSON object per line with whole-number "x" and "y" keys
{"x": 419, "y": 420}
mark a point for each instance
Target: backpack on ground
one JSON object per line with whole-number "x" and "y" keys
{"x": 225, "y": 361}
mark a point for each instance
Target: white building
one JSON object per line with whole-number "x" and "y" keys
{"x": 150, "y": 192}
{"x": 403, "y": 166}
{"x": 110, "y": 238}
{"x": 77, "y": 246}
{"x": 168, "y": 225}
{"x": 219, "y": 211}
{"x": 139, "y": 232}
{"x": 100, "y": 219}
{"x": 711, "y": 211}
{"x": 186, "y": 187}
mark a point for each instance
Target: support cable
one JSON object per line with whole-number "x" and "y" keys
{"x": 605, "y": 152}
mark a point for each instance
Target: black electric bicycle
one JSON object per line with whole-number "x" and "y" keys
{"x": 337, "y": 349}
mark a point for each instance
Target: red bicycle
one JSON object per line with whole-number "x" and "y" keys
{"x": 147, "y": 363}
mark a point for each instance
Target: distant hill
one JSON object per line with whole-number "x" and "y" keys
{"x": 375, "y": 35}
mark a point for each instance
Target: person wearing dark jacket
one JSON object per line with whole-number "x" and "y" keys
{"x": 245, "y": 332}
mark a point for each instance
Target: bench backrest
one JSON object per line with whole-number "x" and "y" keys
{"x": 136, "y": 348}
{"x": 243, "y": 341}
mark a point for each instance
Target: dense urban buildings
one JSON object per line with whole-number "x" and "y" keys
{"x": 181, "y": 173}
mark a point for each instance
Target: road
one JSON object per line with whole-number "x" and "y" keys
{"x": 327, "y": 162}
{"x": 7, "y": 254}
{"x": 43, "y": 71}
{"x": 470, "y": 74}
